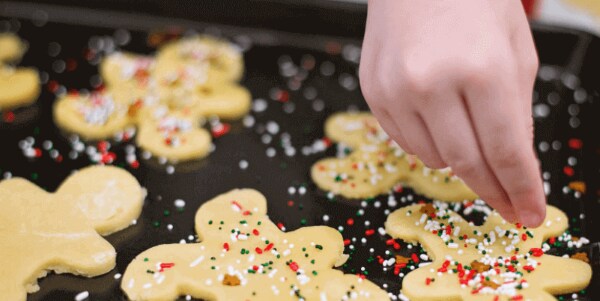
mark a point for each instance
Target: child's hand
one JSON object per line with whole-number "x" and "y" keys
{"x": 451, "y": 82}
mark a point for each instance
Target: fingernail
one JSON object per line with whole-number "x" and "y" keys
{"x": 532, "y": 218}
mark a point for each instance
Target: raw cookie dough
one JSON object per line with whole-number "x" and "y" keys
{"x": 377, "y": 164}
{"x": 95, "y": 116}
{"x": 60, "y": 232}
{"x": 244, "y": 256}
{"x": 11, "y": 48}
{"x": 18, "y": 87}
{"x": 497, "y": 260}
{"x": 211, "y": 61}
{"x": 175, "y": 135}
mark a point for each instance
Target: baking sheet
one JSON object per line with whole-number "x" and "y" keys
{"x": 288, "y": 112}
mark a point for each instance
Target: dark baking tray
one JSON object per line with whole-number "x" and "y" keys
{"x": 566, "y": 95}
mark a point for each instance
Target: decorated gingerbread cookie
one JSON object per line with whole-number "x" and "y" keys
{"x": 207, "y": 60}
{"x": 11, "y": 48}
{"x": 175, "y": 135}
{"x": 60, "y": 231}
{"x": 495, "y": 261}
{"x": 94, "y": 116}
{"x": 244, "y": 256}
{"x": 377, "y": 164}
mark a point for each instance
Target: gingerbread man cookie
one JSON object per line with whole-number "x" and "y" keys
{"x": 377, "y": 164}
{"x": 60, "y": 232}
{"x": 244, "y": 256}
{"x": 175, "y": 135}
{"x": 495, "y": 261}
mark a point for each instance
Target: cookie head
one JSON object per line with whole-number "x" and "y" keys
{"x": 95, "y": 116}
{"x": 220, "y": 61}
{"x": 11, "y": 48}
{"x": 18, "y": 87}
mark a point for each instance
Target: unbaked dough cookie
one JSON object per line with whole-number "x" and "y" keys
{"x": 208, "y": 61}
{"x": 60, "y": 232}
{"x": 11, "y": 48}
{"x": 18, "y": 87}
{"x": 175, "y": 135}
{"x": 95, "y": 116}
{"x": 377, "y": 164}
{"x": 244, "y": 256}
{"x": 497, "y": 260}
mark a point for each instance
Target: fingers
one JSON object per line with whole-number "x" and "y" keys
{"x": 389, "y": 126}
{"x": 456, "y": 141}
{"x": 419, "y": 138}
{"x": 499, "y": 120}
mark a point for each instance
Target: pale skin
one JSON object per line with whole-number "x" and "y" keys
{"x": 451, "y": 82}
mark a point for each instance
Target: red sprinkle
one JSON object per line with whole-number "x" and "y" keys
{"x": 294, "y": 266}
{"x": 226, "y": 246}
{"x": 166, "y": 265}
{"x": 269, "y": 247}
{"x": 258, "y": 250}
{"x": 369, "y": 232}
{"x": 255, "y": 232}
{"x": 8, "y": 117}
{"x": 575, "y": 143}
{"x": 220, "y": 130}
{"x": 350, "y": 222}
{"x": 346, "y": 242}
{"x": 537, "y": 252}
{"x": 569, "y": 171}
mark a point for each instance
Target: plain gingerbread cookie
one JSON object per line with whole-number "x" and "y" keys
{"x": 60, "y": 231}
{"x": 377, "y": 164}
{"x": 497, "y": 261}
{"x": 244, "y": 256}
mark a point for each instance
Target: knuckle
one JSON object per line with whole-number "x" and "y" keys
{"x": 417, "y": 78}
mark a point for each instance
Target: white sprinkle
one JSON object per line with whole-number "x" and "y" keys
{"x": 179, "y": 203}
{"x": 82, "y": 296}
{"x": 197, "y": 261}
